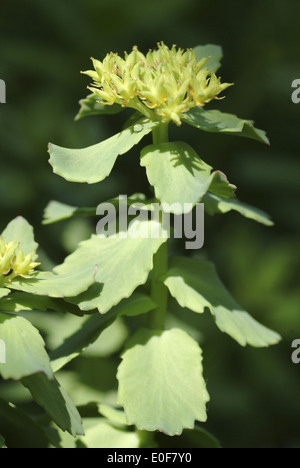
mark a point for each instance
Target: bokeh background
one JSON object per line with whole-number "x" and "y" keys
{"x": 43, "y": 47}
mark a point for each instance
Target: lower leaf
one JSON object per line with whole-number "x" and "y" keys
{"x": 160, "y": 382}
{"x": 56, "y": 402}
{"x": 196, "y": 285}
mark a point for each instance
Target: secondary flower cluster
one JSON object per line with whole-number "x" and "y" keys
{"x": 13, "y": 262}
{"x": 166, "y": 81}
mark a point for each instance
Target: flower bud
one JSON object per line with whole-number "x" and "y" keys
{"x": 164, "y": 83}
{"x": 13, "y": 263}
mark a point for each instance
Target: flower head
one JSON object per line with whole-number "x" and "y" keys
{"x": 168, "y": 82}
{"x": 13, "y": 262}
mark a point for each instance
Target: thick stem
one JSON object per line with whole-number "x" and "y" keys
{"x": 159, "y": 292}
{"x": 161, "y": 134}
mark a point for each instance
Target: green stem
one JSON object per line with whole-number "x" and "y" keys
{"x": 161, "y": 134}
{"x": 159, "y": 292}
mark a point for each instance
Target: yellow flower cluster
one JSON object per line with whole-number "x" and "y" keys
{"x": 167, "y": 82}
{"x": 13, "y": 262}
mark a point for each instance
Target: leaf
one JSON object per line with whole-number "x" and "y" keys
{"x": 19, "y": 229}
{"x": 56, "y": 211}
{"x": 214, "y": 204}
{"x": 196, "y": 438}
{"x": 25, "y": 432}
{"x": 90, "y": 106}
{"x": 116, "y": 257}
{"x": 65, "y": 285}
{"x": 20, "y": 301}
{"x": 25, "y": 349}
{"x": 114, "y": 415}
{"x": 160, "y": 382}
{"x": 56, "y": 402}
{"x": 92, "y": 328}
{"x": 219, "y": 122}
{"x": 210, "y": 50}
{"x": 95, "y": 163}
{"x": 103, "y": 435}
{"x": 201, "y": 438}
{"x": 2, "y": 443}
{"x": 4, "y": 292}
{"x": 196, "y": 285}
{"x": 180, "y": 177}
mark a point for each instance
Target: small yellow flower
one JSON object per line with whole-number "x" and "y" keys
{"x": 13, "y": 262}
{"x": 163, "y": 84}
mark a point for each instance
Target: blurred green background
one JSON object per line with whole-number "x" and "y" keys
{"x": 43, "y": 47}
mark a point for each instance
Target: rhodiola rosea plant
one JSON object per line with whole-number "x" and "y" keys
{"x": 131, "y": 272}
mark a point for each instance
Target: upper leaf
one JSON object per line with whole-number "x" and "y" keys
{"x": 24, "y": 349}
{"x": 63, "y": 285}
{"x": 219, "y": 122}
{"x": 91, "y": 106}
{"x": 56, "y": 211}
{"x": 180, "y": 177}
{"x": 196, "y": 285}
{"x": 95, "y": 163}
{"x": 215, "y": 53}
{"x": 160, "y": 382}
{"x": 214, "y": 204}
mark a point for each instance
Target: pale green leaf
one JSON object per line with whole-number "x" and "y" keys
{"x": 180, "y": 177}
{"x": 24, "y": 349}
{"x": 219, "y": 122}
{"x": 95, "y": 163}
{"x": 56, "y": 211}
{"x": 90, "y": 106}
{"x": 196, "y": 285}
{"x": 214, "y": 204}
{"x": 215, "y": 53}
{"x": 101, "y": 434}
{"x": 20, "y": 230}
{"x": 65, "y": 285}
{"x": 56, "y": 402}
{"x": 3, "y": 293}
{"x": 114, "y": 415}
{"x": 123, "y": 263}
{"x": 160, "y": 382}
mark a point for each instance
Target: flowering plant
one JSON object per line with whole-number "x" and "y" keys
{"x": 131, "y": 276}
